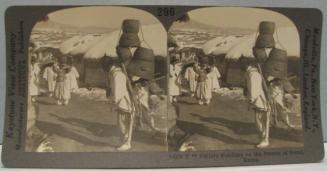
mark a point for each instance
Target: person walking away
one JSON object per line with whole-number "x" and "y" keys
{"x": 214, "y": 76}
{"x": 203, "y": 88}
{"x": 50, "y": 76}
{"x": 174, "y": 85}
{"x": 73, "y": 76}
{"x": 34, "y": 84}
{"x": 191, "y": 77}
{"x": 62, "y": 90}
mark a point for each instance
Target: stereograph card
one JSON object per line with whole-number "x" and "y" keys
{"x": 161, "y": 86}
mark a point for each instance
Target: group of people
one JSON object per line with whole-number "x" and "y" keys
{"x": 202, "y": 80}
{"x": 138, "y": 98}
{"x": 61, "y": 80}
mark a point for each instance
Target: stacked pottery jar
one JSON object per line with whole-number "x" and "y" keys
{"x": 139, "y": 60}
{"x": 273, "y": 60}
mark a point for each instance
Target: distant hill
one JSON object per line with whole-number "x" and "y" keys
{"x": 192, "y": 25}
{"x": 53, "y": 26}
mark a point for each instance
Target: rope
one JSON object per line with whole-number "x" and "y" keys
{"x": 143, "y": 40}
{"x": 119, "y": 34}
{"x": 281, "y": 45}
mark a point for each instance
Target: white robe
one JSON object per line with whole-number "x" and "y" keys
{"x": 174, "y": 88}
{"x": 118, "y": 85}
{"x": 50, "y": 76}
{"x": 73, "y": 76}
{"x": 191, "y": 76}
{"x": 255, "y": 93}
{"x": 142, "y": 95}
{"x": 277, "y": 94}
{"x": 34, "y": 88}
{"x": 214, "y": 75}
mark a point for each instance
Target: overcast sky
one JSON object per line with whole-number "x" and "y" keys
{"x": 238, "y": 17}
{"x": 110, "y": 16}
{"x": 101, "y": 16}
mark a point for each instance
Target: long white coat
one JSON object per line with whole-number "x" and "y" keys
{"x": 50, "y": 76}
{"x": 214, "y": 75}
{"x": 73, "y": 76}
{"x": 118, "y": 85}
{"x": 34, "y": 88}
{"x": 255, "y": 93}
{"x": 191, "y": 76}
{"x": 174, "y": 85}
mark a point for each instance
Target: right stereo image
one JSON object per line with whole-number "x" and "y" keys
{"x": 234, "y": 79}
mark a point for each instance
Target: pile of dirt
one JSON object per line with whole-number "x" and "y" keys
{"x": 232, "y": 93}
{"x": 96, "y": 94}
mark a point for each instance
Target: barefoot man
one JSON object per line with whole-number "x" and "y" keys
{"x": 257, "y": 99}
{"x": 121, "y": 98}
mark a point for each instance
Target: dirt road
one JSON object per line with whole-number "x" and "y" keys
{"x": 90, "y": 126}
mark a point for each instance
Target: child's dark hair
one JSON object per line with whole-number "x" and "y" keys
{"x": 244, "y": 62}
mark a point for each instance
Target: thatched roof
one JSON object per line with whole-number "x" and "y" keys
{"x": 287, "y": 38}
{"x": 78, "y": 44}
{"x": 95, "y": 47}
{"x": 172, "y": 42}
{"x": 190, "y": 49}
{"x": 220, "y": 45}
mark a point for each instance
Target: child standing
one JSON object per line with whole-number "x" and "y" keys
{"x": 62, "y": 89}
{"x": 50, "y": 76}
{"x": 203, "y": 88}
{"x": 34, "y": 89}
{"x": 73, "y": 76}
{"x": 191, "y": 77}
{"x": 214, "y": 76}
{"x": 174, "y": 85}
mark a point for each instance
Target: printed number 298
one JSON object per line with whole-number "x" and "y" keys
{"x": 166, "y": 12}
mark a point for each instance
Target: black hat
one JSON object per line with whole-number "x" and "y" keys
{"x": 124, "y": 53}
{"x": 260, "y": 54}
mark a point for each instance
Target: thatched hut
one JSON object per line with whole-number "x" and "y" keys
{"x": 188, "y": 54}
{"x": 225, "y": 52}
{"x": 88, "y": 50}
{"x": 286, "y": 38}
{"x": 220, "y": 45}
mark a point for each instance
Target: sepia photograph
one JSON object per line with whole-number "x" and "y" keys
{"x": 162, "y": 86}
{"x": 97, "y": 82}
{"x": 112, "y": 79}
{"x": 234, "y": 80}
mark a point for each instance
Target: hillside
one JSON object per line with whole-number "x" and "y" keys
{"x": 195, "y": 26}
{"x": 53, "y": 26}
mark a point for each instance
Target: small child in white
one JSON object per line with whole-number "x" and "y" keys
{"x": 73, "y": 76}
{"x": 50, "y": 76}
{"x": 214, "y": 76}
{"x": 62, "y": 89}
{"x": 191, "y": 77}
{"x": 203, "y": 88}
